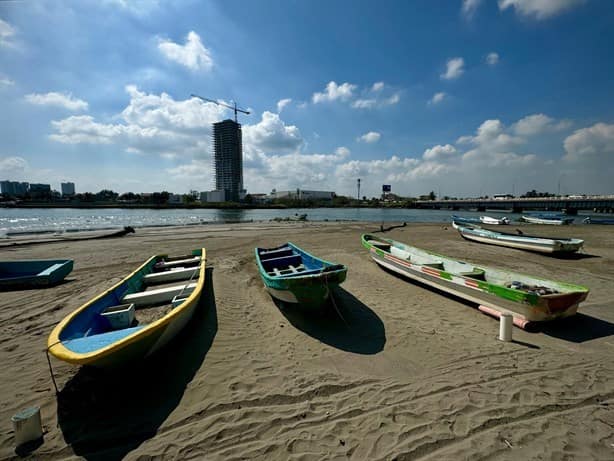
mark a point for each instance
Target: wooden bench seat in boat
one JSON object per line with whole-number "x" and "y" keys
{"x": 160, "y": 295}
{"x": 50, "y": 269}
{"x": 477, "y": 274}
{"x": 438, "y": 265}
{"x": 282, "y": 263}
{"x": 177, "y": 263}
{"x": 292, "y": 271}
{"x": 285, "y": 251}
{"x": 381, "y": 245}
{"x": 173, "y": 275}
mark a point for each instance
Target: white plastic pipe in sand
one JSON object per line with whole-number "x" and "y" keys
{"x": 27, "y": 425}
{"x": 506, "y": 322}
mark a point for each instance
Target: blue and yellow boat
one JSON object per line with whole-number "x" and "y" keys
{"x": 292, "y": 275}
{"x": 33, "y": 273}
{"x": 134, "y": 318}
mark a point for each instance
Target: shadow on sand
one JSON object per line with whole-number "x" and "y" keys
{"x": 358, "y": 329}
{"x": 107, "y": 414}
{"x": 570, "y": 256}
{"x": 579, "y": 328}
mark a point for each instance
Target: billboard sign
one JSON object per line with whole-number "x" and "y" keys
{"x": 386, "y": 188}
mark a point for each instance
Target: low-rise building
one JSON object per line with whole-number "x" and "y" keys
{"x": 14, "y": 188}
{"x": 213, "y": 196}
{"x": 40, "y": 190}
{"x": 300, "y": 194}
{"x": 68, "y": 189}
{"x": 175, "y": 199}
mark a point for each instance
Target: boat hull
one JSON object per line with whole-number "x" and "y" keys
{"x": 551, "y": 222}
{"x": 499, "y": 299}
{"x": 494, "y": 221}
{"x": 34, "y": 273}
{"x": 536, "y": 244}
{"x": 311, "y": 290}
{"x": 69, "y": 341}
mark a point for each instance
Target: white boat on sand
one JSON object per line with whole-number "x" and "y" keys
{"x": 494, "y": 221}
{"x": 522, "y": 242}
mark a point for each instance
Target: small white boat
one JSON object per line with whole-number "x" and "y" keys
{"x": 552, "y": 219}
{"x": 522, "y": 242}
{"x": 494, "y": 221}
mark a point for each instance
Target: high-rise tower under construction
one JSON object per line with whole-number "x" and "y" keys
{"x": 228, "y": 158}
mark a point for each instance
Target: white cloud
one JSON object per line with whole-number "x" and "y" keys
{"x": 538, "y": 123}
{"x": 438, "y": 152}
{"x": 6, "y": 34}
{"x": 492, "y": 58}
{"x": 137, "y": 7}
{"x": 5, "y": 81}
{"x": 342, "y": 152}
{"x": 377, "y": 86}
{"x": 271, "y": 134}
{"x": 395, "y": 98}
{"x": 370, "y": 103}
{"x": 193, "y": 55}
{"x": 370, "y": 137}
{"x": 195, "y": 170}
{"x": 491, "y": 135}
{"x": 53, "y": 98}
{"x": 335, "y": 92}
{"x": 11, "y": 166}
{"x": 151, "y": 124}
{"x": 364, "y": 103}
{"x": 282, "y": 103}
{"x": 376, "y": 170}
{"x": 437, "y": 98}
{"x": 539, "y": 9}
{"x": 307, "y": 171}
{"x": 454, "y": 69}
{"x": 595, "y": 141}
{"x": 469, "y": 7}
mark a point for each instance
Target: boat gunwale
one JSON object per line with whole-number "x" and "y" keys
{"x": 573, "y": 288}
{"x": 63, "y": 263}
{"x": 477, "y": 229}
{"x": 55, "y": 344}
{"x": 325, "y": 262}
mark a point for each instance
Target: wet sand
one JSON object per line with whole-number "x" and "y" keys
{"x": 406, "y": 373}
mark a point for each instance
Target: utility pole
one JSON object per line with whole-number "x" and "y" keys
{"x": 358, "y": 189}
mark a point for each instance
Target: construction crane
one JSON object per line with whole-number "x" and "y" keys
{"x": 235, "y": 108}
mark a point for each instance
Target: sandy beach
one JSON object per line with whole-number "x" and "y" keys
{"x": 406, "y": 373}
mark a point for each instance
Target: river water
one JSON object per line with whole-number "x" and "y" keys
{"x": 39, "y": 220}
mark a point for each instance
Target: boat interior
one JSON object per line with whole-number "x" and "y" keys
{"x": 287, "y": 261}
{"x": 150, "y": 294}
{"x": 451, "y": 266}
{"x": 10, "y": 269}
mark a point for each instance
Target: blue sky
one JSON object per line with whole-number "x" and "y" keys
{"x": 464, "y": 97}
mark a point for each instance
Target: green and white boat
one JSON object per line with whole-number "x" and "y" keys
{"x": 495, "y": 291}
{"x": 294, "y": 276}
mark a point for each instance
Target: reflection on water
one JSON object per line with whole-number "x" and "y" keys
{"x": 15, "y": 220}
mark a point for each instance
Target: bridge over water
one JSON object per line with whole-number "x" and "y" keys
{"x": 598, "y": 204}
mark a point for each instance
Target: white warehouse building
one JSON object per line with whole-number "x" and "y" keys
{"x": 300, "y": 194}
